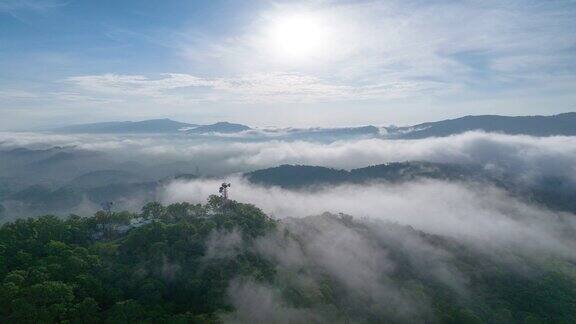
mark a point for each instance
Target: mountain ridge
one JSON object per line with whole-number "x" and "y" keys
{"x": 299, "y": 176}
{"x": 219, "y": 127}
{"x": 563, "y": 124}
{"x": 538, "y": 125}
{"x": 163, "y": 125}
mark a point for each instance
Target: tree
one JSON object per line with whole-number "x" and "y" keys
{"x": 152, "y": 210}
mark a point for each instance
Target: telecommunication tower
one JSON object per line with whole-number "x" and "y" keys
{"x": 224, "y": 191}
{"x": 107, "y": 207}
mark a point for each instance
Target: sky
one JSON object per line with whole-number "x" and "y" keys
{"x": 283, "y": 63}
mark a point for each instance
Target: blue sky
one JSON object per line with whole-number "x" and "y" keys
{"x": 285, "y": 63}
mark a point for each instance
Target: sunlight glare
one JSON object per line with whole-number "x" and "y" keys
{"x": 298, "y": 37}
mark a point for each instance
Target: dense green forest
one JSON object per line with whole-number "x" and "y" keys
{"x": 186, "y": 263}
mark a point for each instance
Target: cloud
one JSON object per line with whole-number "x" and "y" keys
{"x": 251, "y": 88}
{"x": 481, "y": 216}
{"x": 15, "y": 94}
{"x": 257, "y": 303}
{"x": 135, "y": 84}
{"x": 377, "y": 41}
{"x": 361, "y": 259}
{"x": 526, "y": 156}
{"x": 224, "y": 244}
{"x": 537, "y": 168}
{"x": 425, "y": 228}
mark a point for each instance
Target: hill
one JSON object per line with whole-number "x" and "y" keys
{"x": 146, "y": 126}
{"x": 297, "y": 176}
{"x": 562, "y": 124}
{"x": 553, "y": 192}
{"x": 221, "y": 127}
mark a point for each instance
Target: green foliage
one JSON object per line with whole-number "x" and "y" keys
{"x": 155, "y": 267}
{"x": 90, "y": 270}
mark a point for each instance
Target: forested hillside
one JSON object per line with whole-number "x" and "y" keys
{"x": 187, "y": 263}
{"x": 555, "y": 192}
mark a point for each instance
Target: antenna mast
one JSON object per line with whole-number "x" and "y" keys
{"x": 224, "y": 192}
{"x": 107, "y": 207}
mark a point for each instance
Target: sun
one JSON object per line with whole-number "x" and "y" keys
{"x": 298, "y": 36}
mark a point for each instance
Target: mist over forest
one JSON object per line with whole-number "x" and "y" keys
{"x": 353, "y": 227}
{"x": 63, "y": 173}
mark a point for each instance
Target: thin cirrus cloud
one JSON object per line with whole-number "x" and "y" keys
{"x": 374, "y": 40}
{"x": 12, "y": 6}
{"x": 265, "y": 87}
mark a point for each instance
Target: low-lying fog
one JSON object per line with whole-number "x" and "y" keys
{"x": 508, "y": 229}
{"x": 41, "y": 171}
{"x": 221, "y": 155}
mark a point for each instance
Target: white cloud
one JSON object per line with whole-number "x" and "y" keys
{"x": 135, "y": 84}
{"x": 254, "y": 88}
{"x": 482, "y": 216}
{"x": 384, "y": 41}
{"x": 16, "y": 94}
{"x": 258, "y": 303}
{"x": 527, "y": 156}
{"x": 377, "y": 51}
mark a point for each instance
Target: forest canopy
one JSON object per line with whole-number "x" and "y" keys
{"x": 215, "y": 262}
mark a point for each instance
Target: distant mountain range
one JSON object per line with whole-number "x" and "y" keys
{"x": 152, "y": 126}
{"x": 146, "y": 126}
{"x": 562, "y": 124}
